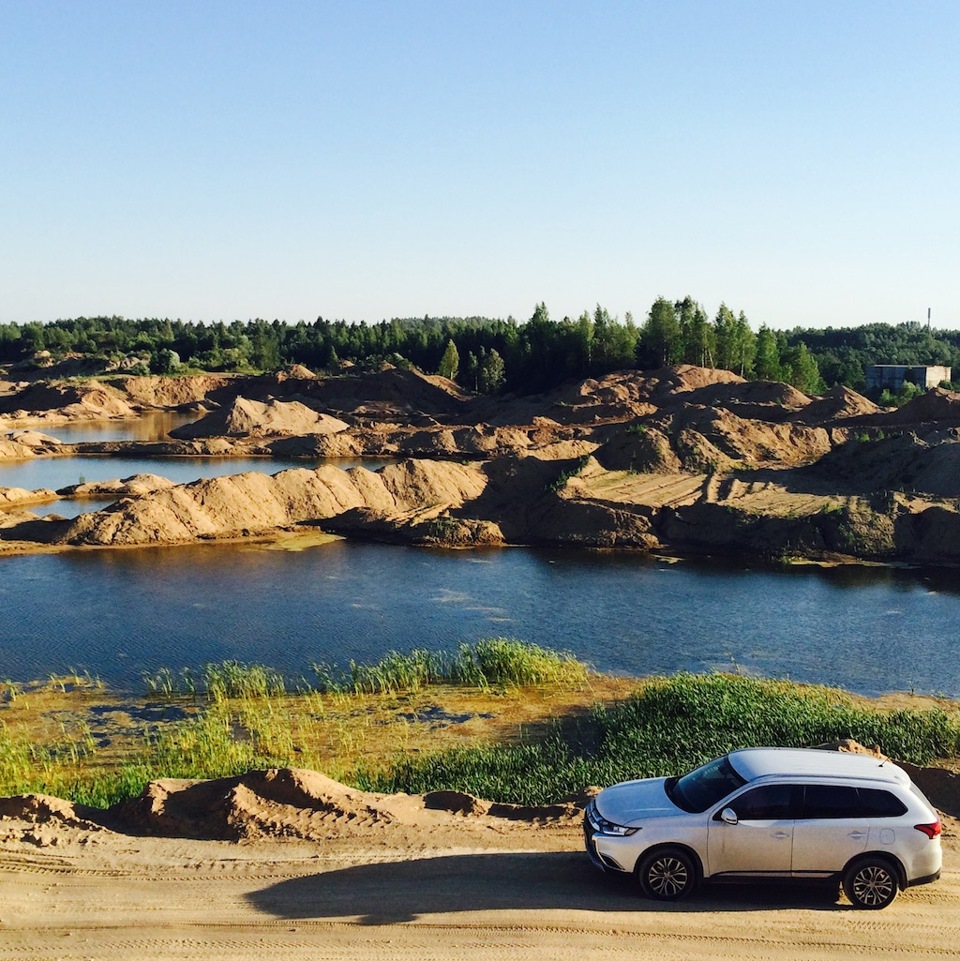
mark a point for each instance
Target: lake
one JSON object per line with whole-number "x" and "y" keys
{"x": 119, "y": 613}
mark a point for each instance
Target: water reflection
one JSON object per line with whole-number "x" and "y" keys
{"x": 151, "y": 426}
{"x": 118, "y": 613}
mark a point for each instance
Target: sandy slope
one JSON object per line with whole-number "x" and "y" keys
{"x": 377, "y": 876}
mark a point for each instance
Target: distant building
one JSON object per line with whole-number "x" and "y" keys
{"x": 893, "y": 376}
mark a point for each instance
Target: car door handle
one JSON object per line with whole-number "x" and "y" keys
{"x": 857, "y": 835}
{"x": 780, "y": 836}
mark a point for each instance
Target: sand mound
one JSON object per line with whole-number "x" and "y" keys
{"x": 49, "y": 816}
{"x": 759, "y": 442}
{"x": 173, "y": 391}
{"x": 58, "y": 402}
{"x": 634, "y": 394}
{"x": 135, "y": 485}
{"x": 11, "y": 450}
{"x": 14, "y": 496}
{"x": 297, "y": 803}
{"x": 390, "y": 395}
{"x": 707, "y": 439}
{"x": 36, "y": 398}
{"x": 243, "y": 504}
{"x": 763, "y": 399}
{"x": 415, "y": 483}
{"x": 837, "y": 403}
{"x": 276, "y": 803}
{"x": 689, "y": 377}
{"x": 942, "y": 406}
{"x": 245, "y": 418}
{"x": 905, "y": 462}
{"x": 631, "y": 393}
{"x": 645, "y": 451}
{"x": 33, "y": 438}
{"x": 296, "y": 372}
{"x": 102, "y": 401}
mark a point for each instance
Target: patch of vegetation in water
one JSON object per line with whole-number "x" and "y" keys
{"x": 89, "y": 745}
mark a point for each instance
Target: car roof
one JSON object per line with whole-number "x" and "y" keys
{"x": 760, "y": 762}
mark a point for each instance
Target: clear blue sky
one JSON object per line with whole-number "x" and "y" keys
{"x": 217, "y": 160}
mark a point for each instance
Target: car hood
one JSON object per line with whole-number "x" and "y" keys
{"x": 634, "y": 800}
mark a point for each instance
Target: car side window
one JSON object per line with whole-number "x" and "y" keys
{"x": 880, "y": 804}
{"x": 772, "y": 802}
{"x": 831, "y": 801}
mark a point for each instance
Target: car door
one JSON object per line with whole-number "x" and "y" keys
{"x": 761, "y": 840}
{"x": 833, "y": 827}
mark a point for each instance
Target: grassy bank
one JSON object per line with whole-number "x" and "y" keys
{"x": 670, "y": 725}
{"x": 499, "y": 719}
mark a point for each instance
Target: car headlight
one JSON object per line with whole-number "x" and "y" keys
{"x": 617, "y": 830}
{"x": 602, "y": 826}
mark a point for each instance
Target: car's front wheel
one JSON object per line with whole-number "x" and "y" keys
{"x": 871, "y": 883}
{"x": 668, "y": 874}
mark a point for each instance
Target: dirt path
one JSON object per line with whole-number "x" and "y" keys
{"x": 522, "y": 892}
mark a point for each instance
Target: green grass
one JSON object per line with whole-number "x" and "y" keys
{"x": 219, "y": 682}
{"x": 558, "y": 484}
{"x": 246, "y": 721}
{"x": 670, "y": 726}
{"x": 497, "y": 662}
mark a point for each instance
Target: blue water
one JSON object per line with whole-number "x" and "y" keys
{"x": 118, "y": 613}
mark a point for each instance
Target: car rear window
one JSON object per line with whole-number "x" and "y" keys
{"x": 836, "y": 801}
{"x": 880, "y": 804}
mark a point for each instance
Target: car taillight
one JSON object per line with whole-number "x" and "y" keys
{"x": 931, "y": 830}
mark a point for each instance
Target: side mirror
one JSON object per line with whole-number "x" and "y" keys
{"x": 729, "y": 816}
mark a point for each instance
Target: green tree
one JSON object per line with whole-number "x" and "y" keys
{"x": 164, "y": 361}
{"x": 660, "y": 335}
{"x": 800, "y": 369}
{"x": 698, "y": 342}
{"x": 584, "y": 343}
{"x": 745, "y": 346}
{"x": 767, "y": 363}
{"x": 725, "y": 330}
{"x": 472, "y": 370}
{"x": 492, "y": 372}
{"x": 450, "y": 361}
{"x": 264, "y": 346}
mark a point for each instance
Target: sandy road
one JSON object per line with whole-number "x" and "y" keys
{"x": 119, "y": 897}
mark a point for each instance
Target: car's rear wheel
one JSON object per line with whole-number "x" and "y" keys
{"x": 668, "y": 874}
{"x": 871, "y": 883}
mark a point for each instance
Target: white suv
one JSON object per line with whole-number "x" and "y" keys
{"x": 770, "y": 813}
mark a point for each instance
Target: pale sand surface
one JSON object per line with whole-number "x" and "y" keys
{"x": 440, "y": 886}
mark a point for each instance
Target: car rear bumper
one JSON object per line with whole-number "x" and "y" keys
{"x": 928, "y": 879}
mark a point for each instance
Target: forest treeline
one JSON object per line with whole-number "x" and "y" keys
{"x": 490, "y": 355}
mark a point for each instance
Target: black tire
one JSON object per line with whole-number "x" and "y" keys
{"x": 668, "y": 874}
{"x": 871, "y": 883}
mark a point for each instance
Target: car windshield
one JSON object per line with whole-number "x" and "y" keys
{"x": 698, "y": 790}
